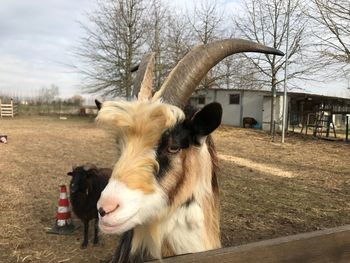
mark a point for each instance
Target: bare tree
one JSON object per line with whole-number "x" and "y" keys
{"x": 114, "y": 37}
{"x": 236, "y": 72}
{"x": 332, "y": 30}
{"x": 48, "y": 94}
{"x": 265, "y": 21}
{"x": 178, "y": 39}
{"x": 158, "y": 20}
{"x": 207, "y": 22}
{"x": 77, "y": 100}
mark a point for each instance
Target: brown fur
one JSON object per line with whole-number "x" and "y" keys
{"x": 215, "y": 203}
{"x": 167, "y": 250}
{"x": 182, "y": 181}
{"x": 140, "y": 125}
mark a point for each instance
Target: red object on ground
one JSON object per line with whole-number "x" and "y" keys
{"x": 64, "y": 224}
{"x": 63, "y": 216}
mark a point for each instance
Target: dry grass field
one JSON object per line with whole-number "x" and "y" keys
{"x": 267, "y": 189}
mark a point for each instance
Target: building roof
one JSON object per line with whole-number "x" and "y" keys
{"x": 297, "y": 95}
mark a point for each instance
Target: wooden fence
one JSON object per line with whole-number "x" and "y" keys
{"x": 325, "y": 246}
{"x": 8, "y": 110}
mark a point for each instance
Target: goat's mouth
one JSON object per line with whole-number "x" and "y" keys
{"x": 109, "y": 227}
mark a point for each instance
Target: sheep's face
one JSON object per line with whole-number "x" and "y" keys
{"x": 155, "y": 142}
{"x": 79, "y": 181}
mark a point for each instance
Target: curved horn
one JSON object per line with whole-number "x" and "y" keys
{"x": 191, "y": 69}
{"x": 144, "y": 78}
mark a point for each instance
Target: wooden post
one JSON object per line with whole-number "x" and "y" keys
{"x": 11, "y": 108}
{"x": 0, "y": 109}
{"x": 347, "y": 129}
{"x": 302, "y": 116}
{"x": 329, "y": 121}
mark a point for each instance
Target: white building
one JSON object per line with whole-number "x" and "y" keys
{"x": 238, "y": 104}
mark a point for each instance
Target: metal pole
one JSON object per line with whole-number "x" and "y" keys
{"x": 284, "y": 115}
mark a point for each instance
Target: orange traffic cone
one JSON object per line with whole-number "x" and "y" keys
{"x": 64, "y": 224}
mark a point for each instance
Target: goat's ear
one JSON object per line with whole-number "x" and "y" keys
{"x": 98, "y": 104}
{"x": 70, "y": 173}
{"x": 206, "y": 120}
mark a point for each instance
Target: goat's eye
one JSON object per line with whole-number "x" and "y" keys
{"x": 173, "y": 149}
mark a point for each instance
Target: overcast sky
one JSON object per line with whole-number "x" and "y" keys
{"x": 36, "y": 39}
{"x": 36, "y": 42}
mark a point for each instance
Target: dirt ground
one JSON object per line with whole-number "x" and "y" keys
{"x": 267, "y": 189}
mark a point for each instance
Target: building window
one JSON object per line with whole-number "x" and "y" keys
{"x": 234, "y": 98}
{"x": 201, "y": 100}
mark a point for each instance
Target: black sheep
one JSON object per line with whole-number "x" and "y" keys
{"x": 86, "y": 186}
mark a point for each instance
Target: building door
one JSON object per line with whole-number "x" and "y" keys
{"x": 266, "y": 113}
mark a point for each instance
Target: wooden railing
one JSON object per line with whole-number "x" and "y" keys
{"x": 325, "y": 246}
{"x": 8, "y": 110}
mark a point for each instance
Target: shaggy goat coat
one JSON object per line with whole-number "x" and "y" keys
{"x": 163, "y": 189}
{"x": 163, "y": 194}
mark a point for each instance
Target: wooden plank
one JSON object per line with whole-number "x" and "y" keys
{"x": 331, "y": 245}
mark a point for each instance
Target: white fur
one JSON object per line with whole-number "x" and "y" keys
{"x": 135, "y": 207}
{"x": 184, "y": 230}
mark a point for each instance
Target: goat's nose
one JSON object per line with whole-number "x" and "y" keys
{"x": 107, "y": 204}
{"x": 101, "y": 212}
{"x": 104, "y": 211}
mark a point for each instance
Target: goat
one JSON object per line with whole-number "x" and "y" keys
{"x": 163, "y": 196}
{"x": 86, "y": 186}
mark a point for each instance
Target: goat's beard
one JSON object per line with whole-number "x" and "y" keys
{"x": 135, "y": 207}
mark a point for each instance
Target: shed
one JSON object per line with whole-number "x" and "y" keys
{"x": 239, "y": 103}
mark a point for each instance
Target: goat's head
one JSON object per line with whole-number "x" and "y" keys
{"x": 164, "y": 152}
{"x": 80, "y": 176}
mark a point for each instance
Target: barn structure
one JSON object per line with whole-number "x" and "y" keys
{"x": 319, "y": 113}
